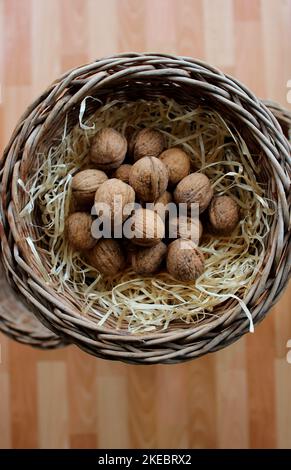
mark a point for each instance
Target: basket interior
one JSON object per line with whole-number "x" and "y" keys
{"x": 128, "y": 91}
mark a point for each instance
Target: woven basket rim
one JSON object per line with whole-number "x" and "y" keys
{"x": 19, "y": 323}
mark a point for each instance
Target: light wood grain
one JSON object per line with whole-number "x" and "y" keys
{"x": 238, "y": 397}
{"x": 52, "y": 405}
{"x": 283, "y": 394}
{"x": 23, "y": 397}
{"x": 261, "y": 386}
{"x": 202, "y": 403}
{"x": 172, "y": 399}
{"x": 189, "y": 36}
{"x": 82, "y": 391}
{"x": 113, "y": 406}
{"x": 232, "y": 397}
{"x": 142, "y": 411}
{"x": 103, "y": 29}
{"x": 218, "y": 37}
{"x": 5, "y": 413}
{"x": 160, "y": 25}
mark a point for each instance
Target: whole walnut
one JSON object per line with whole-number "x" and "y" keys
{"x": 85, "y": 184}
{"x": 162, "y": 202}
{"x": 149, "y": 178}
{"x": 108, "y": 149}
{"x": 223, "y": 215}
{"x": 115, "y": 194}
{"x": 178, "y": 163}
{"x": 185, "y": 262}
{"x": 148, "y": 260}
{"x": 185, "y": 227}
{"x": 147, "y": 143}
{"x": 145, "y": 227}
{"x": 194, "y": 189}
{"x": 122, "y": 173}
{"x": 78, "y": 231}
{"x": 107, "y": 257}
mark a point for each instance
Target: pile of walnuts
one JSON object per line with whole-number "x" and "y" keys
{"x": 140, "y": 169}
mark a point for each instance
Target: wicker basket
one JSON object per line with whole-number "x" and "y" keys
{"x": 148, "y": 76}
{"x": 282, "y": 115}
{"x": 19, "y": 323}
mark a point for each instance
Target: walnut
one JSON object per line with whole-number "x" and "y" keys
{"x": 149, "y": 178}
{"x": 85, "y": 184}
{"x": 107, "y": 257}
{"x": 78, "y": 231}
{"x": 194, "y": 188}
{"x": 115, "y": 194}
{"x": 129, "y": 249}
{"x": 185, "y": 262}
{"x": 178, "y": 164}
{"x": 131, "y": 134}
{"x": 145, "y": 228}
{"x": 185, "y": 227}
{"x": 223, "y": 215}
{"x": 122, "y": 173}
{"x": 147, "y": 143}
{"x": 148, "y": 260}
{"x": 162, "y": 202}
{"x": 108, "y": 149}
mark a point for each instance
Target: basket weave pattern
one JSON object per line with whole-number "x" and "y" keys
{"x": 134, "y": 76}
{"x": 20, "y": 324}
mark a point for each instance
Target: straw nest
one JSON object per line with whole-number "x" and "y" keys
{"x": 143, "y": 304}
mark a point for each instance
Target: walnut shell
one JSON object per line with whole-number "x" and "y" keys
{"x": 129, "y": 248}
{"x": 144, "y": 228}
{"x": 147, "y": 143}
{"x": 85, "y": 184}
{"x": 108, "y": 149}
{"x": 148, "y": 260}
{"x": 185, "y": 227}
{"x": 115, "y": 194}
{"x": 149, "y": 178}
{"x": 162, "y": 202}
{"x": 122, "y": 173}
{"x": 131, "y": 135}
{"x": 107, "y": 257}
{"x": 185, "y": 262}
{"x": 194, "y": 189}
{"x": 78, "y": 231}
{"x": 178, "y": 163}
{"x": 223, "y": 215}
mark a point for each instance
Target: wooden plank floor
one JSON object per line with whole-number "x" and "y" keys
{"x": 239, "y": 397}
